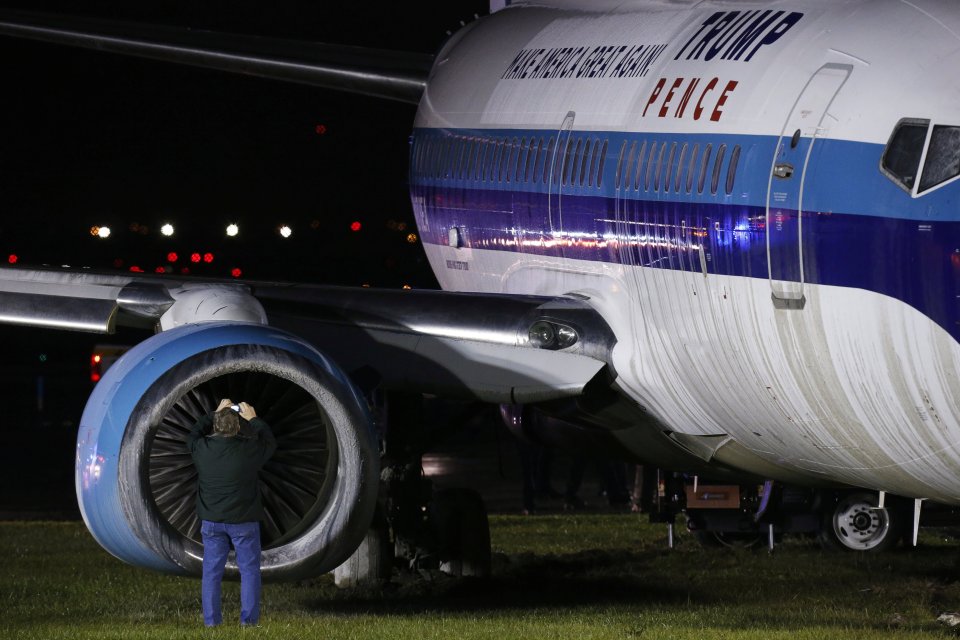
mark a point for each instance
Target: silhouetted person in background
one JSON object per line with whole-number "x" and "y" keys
{"x": 228, "y": 502}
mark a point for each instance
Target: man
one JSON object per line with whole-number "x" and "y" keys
{"x": 228, "y": 502}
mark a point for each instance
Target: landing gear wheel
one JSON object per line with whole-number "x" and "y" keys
{"x": 462, "y": 532}
{"x": 370, "y": 565}
{"x": 855, "y": 523}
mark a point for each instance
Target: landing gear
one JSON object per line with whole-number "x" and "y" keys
{"x": 372, "y": 563}
{"x": 459, "y": 521}
{"x": 418, "y": 529}
{"x": 855, "y": 523}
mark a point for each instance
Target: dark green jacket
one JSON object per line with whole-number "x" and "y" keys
{"x": 228, "y": 468}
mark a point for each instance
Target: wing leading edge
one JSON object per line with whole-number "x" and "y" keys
{"x": 490, "y": 347}
{"x": 394, "y": 75}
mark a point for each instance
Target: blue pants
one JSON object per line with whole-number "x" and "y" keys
{"x": 217, "y": 537}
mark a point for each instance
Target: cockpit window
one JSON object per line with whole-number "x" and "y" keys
{"x": 943, "y": 157}
{"x": 901, "y": 158}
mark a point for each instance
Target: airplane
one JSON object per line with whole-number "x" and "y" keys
{"x": 714, "y": 236}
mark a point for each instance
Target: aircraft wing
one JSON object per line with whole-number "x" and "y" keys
{"x": 496, "y": 348}
{"x": 394, "y": 75}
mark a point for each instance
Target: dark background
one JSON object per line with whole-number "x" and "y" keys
{"x": 91, "y": 139}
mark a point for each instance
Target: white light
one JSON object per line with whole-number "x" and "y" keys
{"x": 232, "y": 230}
{"x": 167, "y": 229}
{"x": 286, "y": 231}
{"x": 104, "y": 232}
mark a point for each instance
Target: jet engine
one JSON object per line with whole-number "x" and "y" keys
{"x": 136, "y": 483}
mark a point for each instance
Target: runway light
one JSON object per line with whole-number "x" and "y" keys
{"x": 232, "y": 230}
{"x": 208, "y": 257}
{"x": 94, "y": 230}
{"x": 103, "y": 232}
{"x": 411, "y": 238}
{"x": 286, "y": 231}
{"x": 12, "y": 258}
{"x": 167, "y": 229}
{"x": 355, "y": 225}
{"x": 160, "y": 270}
{"x": 406, "y": 286}
{"x": 172, "y": 256}
{"x": 136, "y": 269}
{"x": 195, "y": 257}
{"x": 235, "y": 272}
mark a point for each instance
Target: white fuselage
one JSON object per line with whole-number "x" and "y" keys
{"x": 813, "y": 317}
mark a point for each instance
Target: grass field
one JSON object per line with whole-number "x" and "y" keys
{"x": 583, "y": 576}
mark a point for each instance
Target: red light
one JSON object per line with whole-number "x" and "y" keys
{"x": 208, "y": 257}
{"x": 172, "y": 256}
{"x": 159, "y": 270}
{"x": 136, "y": 269}
{"x": 12, "y": 258}
{"x": 321, "y": 129}
{"x": 94, "y": 377}
{"x": 194, "y": 257}
{"x": 235, "y": 272}
{"x": 355, "y": 225}
{"x": 185, "y": 271}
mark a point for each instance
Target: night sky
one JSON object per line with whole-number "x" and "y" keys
{"x": 100, "y": 139}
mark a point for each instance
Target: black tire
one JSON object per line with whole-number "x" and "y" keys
{"x": 371, "y": 564}
{"x": 852, "y": 522}
{"x": 459, "y": 521}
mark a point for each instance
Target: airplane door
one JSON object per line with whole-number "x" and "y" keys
{"x": 808, "y": 120}
{"x": 554, "y": 185}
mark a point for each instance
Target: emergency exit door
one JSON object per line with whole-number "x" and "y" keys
{"x": 809, "y": 120}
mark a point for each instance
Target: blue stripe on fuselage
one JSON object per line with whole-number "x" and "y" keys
{"x": 859, "y": 229}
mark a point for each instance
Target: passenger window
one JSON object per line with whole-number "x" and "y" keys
{"x": 692, "y": 169}
{"x": 943, "y": 157}
{"x": 627, "y": 172}
{"x": 705, "y": 163}
{"x": 531, "y": 156}
{"x": 603, "y": 158}
{"x": 653, "y": 154}
{"x": 504, "y": 159}
{"x": 623, "y": 151}
{"x": 478, "y": 159}
{"x": 656, "y": 180}
{"x": 570, "y": 161}
{"x": 641, "y": 155}
{"x": 715, "y": 181}
{"x": 538, "y": 161}
{"x": 732, "y": 169}
{"x": 901, "y": 158}
{"x": 669, "y": 177}
{"x": 460, "y": 165}
{"x": 442, "y": 158}
{"x": 484, "y": 159}
{"x": 678, "y": 182}
{"x": 585, "y": 161}
{"x": 548, "y": 161}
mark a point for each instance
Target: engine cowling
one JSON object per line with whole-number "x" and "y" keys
{"x": 135, "y": 479}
